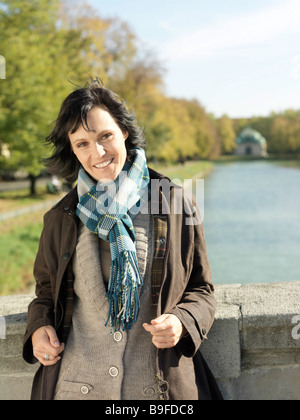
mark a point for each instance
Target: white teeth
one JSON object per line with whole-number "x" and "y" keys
{"x": 102, "y": 165}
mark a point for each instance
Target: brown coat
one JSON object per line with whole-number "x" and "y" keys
{"x": 185, "y": 290}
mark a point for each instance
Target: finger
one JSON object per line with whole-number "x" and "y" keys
{"x": 47, "y": 349}
{"x": 159, "y": 330}
{"x": 161, "y": 319}
{"x": 46, "y": 358}
{"x": 53, "y": 337}
{"x": 152, "y": 329}
{"x": 147, "y": 327}
{"x": 171, "y": 339}
{"x": 60, "y": 349}
{"x": 163, "y": 323}
{"x": 165, "y": 344}
{"x": 159, "y": 325}
{"x": 52, "y": 361}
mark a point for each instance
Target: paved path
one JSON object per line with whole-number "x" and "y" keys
{"x": 29, "y": 209}
{"x": 21, "y": 184}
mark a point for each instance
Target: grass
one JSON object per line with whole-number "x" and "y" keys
{"x": 187, "y": 171}
{"x": 18, "y": 248}
{"x": 19, "y": 238}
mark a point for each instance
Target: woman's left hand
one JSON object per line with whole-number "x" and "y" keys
{"x": 166, "y": 330}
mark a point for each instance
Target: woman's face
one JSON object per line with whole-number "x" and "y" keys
{"x": 101, "y": 151}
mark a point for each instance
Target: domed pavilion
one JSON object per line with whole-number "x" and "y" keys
{"x": 251, "y": 143}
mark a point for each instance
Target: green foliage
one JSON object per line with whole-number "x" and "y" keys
{"x": 282, "y": 131}
{"x": 18, "y": 249}
{"x": 40, "y": 57}
{"x": 227, "y": 134}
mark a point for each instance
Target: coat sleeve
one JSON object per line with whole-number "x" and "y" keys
{"x": 40, "y": 310}
{"x": 197, "y": 306}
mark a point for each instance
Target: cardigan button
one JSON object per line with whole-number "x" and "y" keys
{"x": 149, "y": 392}
{"x": 84, "y": 390}
{"x": 66, "y": 256}
{"x": 118, "y": 336}
{"x": 113, "y": 371}
{"x": 162, "y": 240}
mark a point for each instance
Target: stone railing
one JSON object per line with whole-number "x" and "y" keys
{"x": 253, "y": 347}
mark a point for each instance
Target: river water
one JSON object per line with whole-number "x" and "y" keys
{"x": 252, "y": 222}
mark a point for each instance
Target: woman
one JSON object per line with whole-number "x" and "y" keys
{"x": 123, "y": 284}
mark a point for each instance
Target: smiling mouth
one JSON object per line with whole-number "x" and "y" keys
{"x": 104, "y": 164}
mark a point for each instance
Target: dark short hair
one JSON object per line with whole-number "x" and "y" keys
{"x": 73, "y": 113}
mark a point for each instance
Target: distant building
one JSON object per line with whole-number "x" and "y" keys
{"x": 251, "y": 143}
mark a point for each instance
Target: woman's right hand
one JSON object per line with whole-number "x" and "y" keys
{"x": 46, "y": 344}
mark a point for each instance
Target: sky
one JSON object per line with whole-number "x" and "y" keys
{"x": 240, "y": 58}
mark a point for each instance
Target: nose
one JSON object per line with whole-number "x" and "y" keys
{"x": 98, "y": 150}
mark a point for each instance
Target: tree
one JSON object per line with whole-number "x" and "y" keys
{"x": 110, "y": 43}
{"x": 285, "y": 133}
{"x": 227, "y": 134}
{"x": 40, "y": 58}
{"x": 205, "y": 135}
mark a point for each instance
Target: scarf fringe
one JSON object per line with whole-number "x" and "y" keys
{"x": 123, "y": 292}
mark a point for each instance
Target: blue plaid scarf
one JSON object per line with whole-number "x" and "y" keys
{"x": 107, "y": 210}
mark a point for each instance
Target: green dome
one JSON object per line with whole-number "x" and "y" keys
{"x": 248, "y": 135}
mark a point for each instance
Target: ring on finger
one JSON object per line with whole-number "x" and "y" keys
{"x": 47, "y": 357}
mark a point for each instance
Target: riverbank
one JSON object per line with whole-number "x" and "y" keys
{"x": 188, "y": 170}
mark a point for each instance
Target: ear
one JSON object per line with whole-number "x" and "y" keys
{"x": 126, "y": 135}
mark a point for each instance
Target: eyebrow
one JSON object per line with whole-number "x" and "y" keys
{"x": 76, "y": 141}
{"x": 92, "y": 131}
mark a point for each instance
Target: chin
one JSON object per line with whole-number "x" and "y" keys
{"x": 105, "y": 176}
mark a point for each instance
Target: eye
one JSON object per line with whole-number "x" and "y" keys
{"x": 82, "y": 144}
{"x": 106, "y": 136}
